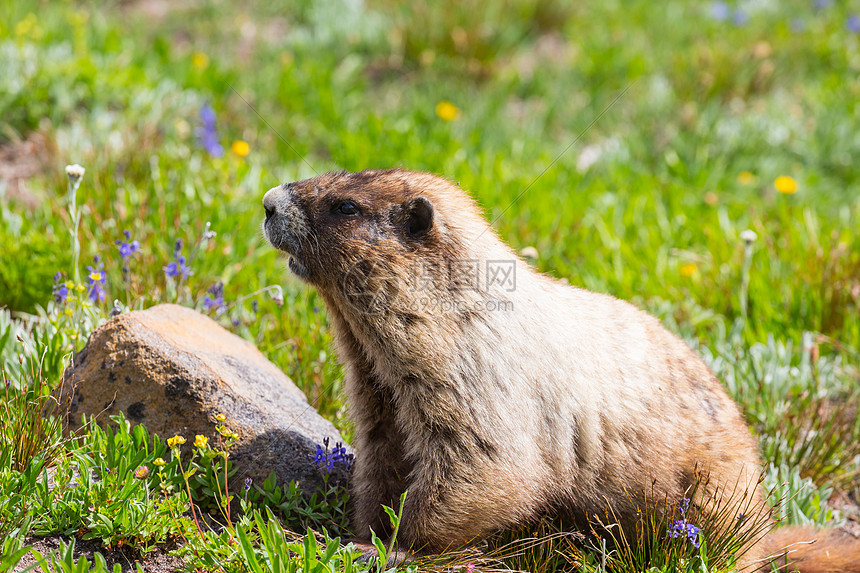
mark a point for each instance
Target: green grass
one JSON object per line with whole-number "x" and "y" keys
{"x": 610, "y": 136}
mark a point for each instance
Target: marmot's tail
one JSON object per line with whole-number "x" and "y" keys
{"x": 807, "y": 550}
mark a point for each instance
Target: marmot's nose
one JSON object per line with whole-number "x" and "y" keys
{"x": 269, "y": 203}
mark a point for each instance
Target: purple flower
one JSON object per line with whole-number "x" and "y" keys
{"x": 207, "y": 134}
{"x": 798, "y": 25}
{"x": 128, "y": 247}
{"x": 680, "y": 528}
{"x": 822, "y": 4}
{"x": 853, "y": 23}
{"x": 740, "y": 18}
{"x": 248, "y": 482}
{"x": 61, "y": 291}
{"x": 329, "y": 461}
{"x": 720, "y": 11}
{"x": 96, "y": 279}
{"x": 215, "y": 301}
{"x": 177, "y": 268}
{"x": 683, "y": 505}
{"x": 255, "y": 306}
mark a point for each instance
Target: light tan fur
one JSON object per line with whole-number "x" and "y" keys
{"x": 495, "y": 402}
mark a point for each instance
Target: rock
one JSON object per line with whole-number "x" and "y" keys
{"x": 174, "y": 369}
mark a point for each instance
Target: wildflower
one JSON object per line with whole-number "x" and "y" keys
{"x": 748, "y": 236}
{"x": 240, "y": 148}
{"x": 207, "y": 134}
{"x": 61, "y": 290}
{"x": 255, "y": 306}
{"x": 96, "y": 279}
{"x": 853, "y": 23}
{"x": 340, "y": 456}
{"x": 248, "y": 482}
{"x": 822, "y": 4}
{"x": 128, "y": 247}
{"x": 278, "y": 295}
{"x": 683, "y": 505}
{"x": 75, "y": 172}
{"x": 329, "y": 461}
{"x": 141, "y": 472}
{"x": 159, "y": 462}
{"x": 785, "y": 184}
{"x": 798, "y": 25}
{"x": 740, "y": 18}
{"x": 680, "y": 528}
{"x": 176, "y": 440}
{"x": 447, "y": 111}
{"x": 720, "y": 11}
{"x": 200, "y": 60}
{"x": 745, "y": 177}
{"x": 207, "y": 233}
{"x": 220, "y": 418}
{"x": 322, "y": 459}
{"x": 177, "y": 268}
{"x": 215, "y": 301}
{"x": 117, "y": 308}
{"x": 687, "y": 270}
{"x": 200, "y": 441}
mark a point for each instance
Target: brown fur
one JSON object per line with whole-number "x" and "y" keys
{"x": 495, "y": 403}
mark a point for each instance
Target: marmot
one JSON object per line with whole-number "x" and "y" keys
{"x": 494, "y": 393}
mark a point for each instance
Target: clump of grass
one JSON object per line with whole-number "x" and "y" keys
{"x": 710, "y": 528}
{"x": 33, "y": 419}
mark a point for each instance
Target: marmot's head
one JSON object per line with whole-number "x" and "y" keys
{"x": 374, "y": 230}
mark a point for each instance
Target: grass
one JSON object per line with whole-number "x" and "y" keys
{"x": 630, "y": 144}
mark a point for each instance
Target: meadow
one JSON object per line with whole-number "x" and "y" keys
{"x": 698, "y": 159}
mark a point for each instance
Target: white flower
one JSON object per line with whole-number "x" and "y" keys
{"x": 748, "y": 236}
{"x": 75, "y": 171}
{"x": 529, "y": 253}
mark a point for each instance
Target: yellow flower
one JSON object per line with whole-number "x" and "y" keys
{"x": 96, "y": 276}
{"x": 785, "y": 184}
{"x": 159, "y": 462}
{"x": 745, "y": 177}
{"x": 81, "y": 288}
{"x": 240, "y": 148}
{"x": 220, "y": 418}
{"x": 687, "y": 270}
{"x": 175, "y": 441}
{"x": 70, "y": 285}
{"x": 200, "y": 441}
{"x": 68, "y": 312}
{"x": 200, "y": 60}
{"x": 25, "y": 26}
{"x": 447, "y": 111}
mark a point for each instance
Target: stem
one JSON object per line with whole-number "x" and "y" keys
{"x": 74, "y": 183}
{"x": 253, "y": 294}
{"x": 745, "y": 281}
{"x": 190, "y": 499}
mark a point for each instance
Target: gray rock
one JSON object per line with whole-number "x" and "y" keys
{"x": 174, "y": 369}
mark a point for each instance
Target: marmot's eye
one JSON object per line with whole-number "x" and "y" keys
{"x": 346, "y": 208}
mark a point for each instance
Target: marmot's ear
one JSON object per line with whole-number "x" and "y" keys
{"x": 419, "y": 215}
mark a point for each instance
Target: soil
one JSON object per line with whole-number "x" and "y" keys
{"x": 156, "y": 561}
